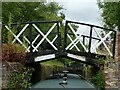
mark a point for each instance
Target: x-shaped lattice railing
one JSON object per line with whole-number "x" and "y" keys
{"x": 75, "y": 41}
{"x": 92, "y": 46}
{"x": 16, "y": 37}
{"x": 35, "y": 48}
{"x": 102, "y": 40}
{"x": 45, "y": 37}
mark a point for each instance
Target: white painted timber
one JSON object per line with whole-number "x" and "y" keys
{"x": 32, "y": 42}
{"x": 72, "y": 41}
{"x": 16, "y": 37}
{"x": 44, "y": 57}
{"x": 102, "y": 41}
{"x": 77, "y": 38}
{"x": 20, "y": 33}
{"x": 45, "y": 37}
{"x": 82, "y": 58}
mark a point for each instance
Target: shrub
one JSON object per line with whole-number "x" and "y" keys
{"x": 13, "y": 53}
{"x": 20, "y": 80}
{"x": 99, "y": 80}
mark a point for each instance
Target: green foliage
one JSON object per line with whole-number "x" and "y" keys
{"x": 65, "y": 61}
{"x": 9, "y": 24}
{"x": 13, "y": 12}
{"x": 53, "y": 62}
{"x": 0, "y": 11}
{"x": 110, "y": 13}
{"x": 20, "y": 80}
{"x": 30, "y": 11}
{"x": 102, "y": 61}
{"x": 99, "y": 80}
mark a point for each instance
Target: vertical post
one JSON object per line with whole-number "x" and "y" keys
{"x": 114, "y": 44}
{"x": 90, "y": 40}
{"x": 30, "y": 37}
{"x": 65, "y": 35}
{"x": 60, "y": 39}
{"x": 83, "y": 41}
{"x": 58, "y": 33}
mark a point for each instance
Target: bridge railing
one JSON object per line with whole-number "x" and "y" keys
{"x": 89, "y": 38}
{"x": 35, "y": 36}
{"x": 43, "y": 40}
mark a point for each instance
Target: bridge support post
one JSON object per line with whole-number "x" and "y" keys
{"x": 36, "y": 75}
{"x": 95, "y": 70}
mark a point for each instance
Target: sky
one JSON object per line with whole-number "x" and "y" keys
{"x": 85, "y": 11}
{"x": 82, "y": 10}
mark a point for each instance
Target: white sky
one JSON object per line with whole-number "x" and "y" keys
{"x": 86, "y": 11}
{"x": 82, "y": 11}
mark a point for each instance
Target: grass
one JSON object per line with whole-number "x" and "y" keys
{"x": 53, "y": 62}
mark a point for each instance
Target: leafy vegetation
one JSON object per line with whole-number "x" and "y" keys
{"x": 53, "y": 62}
{"x": 30, "y": 11}
{"x": 110, "y": 14}
{"x": 99, "y": 80}
{"x": 20, "y": 80}
{"x": 0, "y": 11}
{"x": 13, "y": 53}
{"x": 15, "y": 12}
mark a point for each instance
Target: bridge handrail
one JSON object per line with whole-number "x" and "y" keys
{"x": 31, "y": 22}
{"x": 91, "y": 25}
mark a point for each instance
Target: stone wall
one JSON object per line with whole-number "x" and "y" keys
{"x": 112, "y": 68}
{"x": 7, "y": 69}
{"x": 111, "y": 74}
{"x": 118, "y": 56}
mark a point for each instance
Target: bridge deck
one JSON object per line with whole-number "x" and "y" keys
{"x": 46, "y": 55}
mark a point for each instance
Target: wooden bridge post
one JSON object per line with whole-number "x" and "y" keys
{"x": 36, "y": 75}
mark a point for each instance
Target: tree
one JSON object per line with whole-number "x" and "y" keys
{"x": 13, "y": 12}
{"x": 0, "y": 12}
{"x": 30, "y": 11}
{"x": 110, "y": 14}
